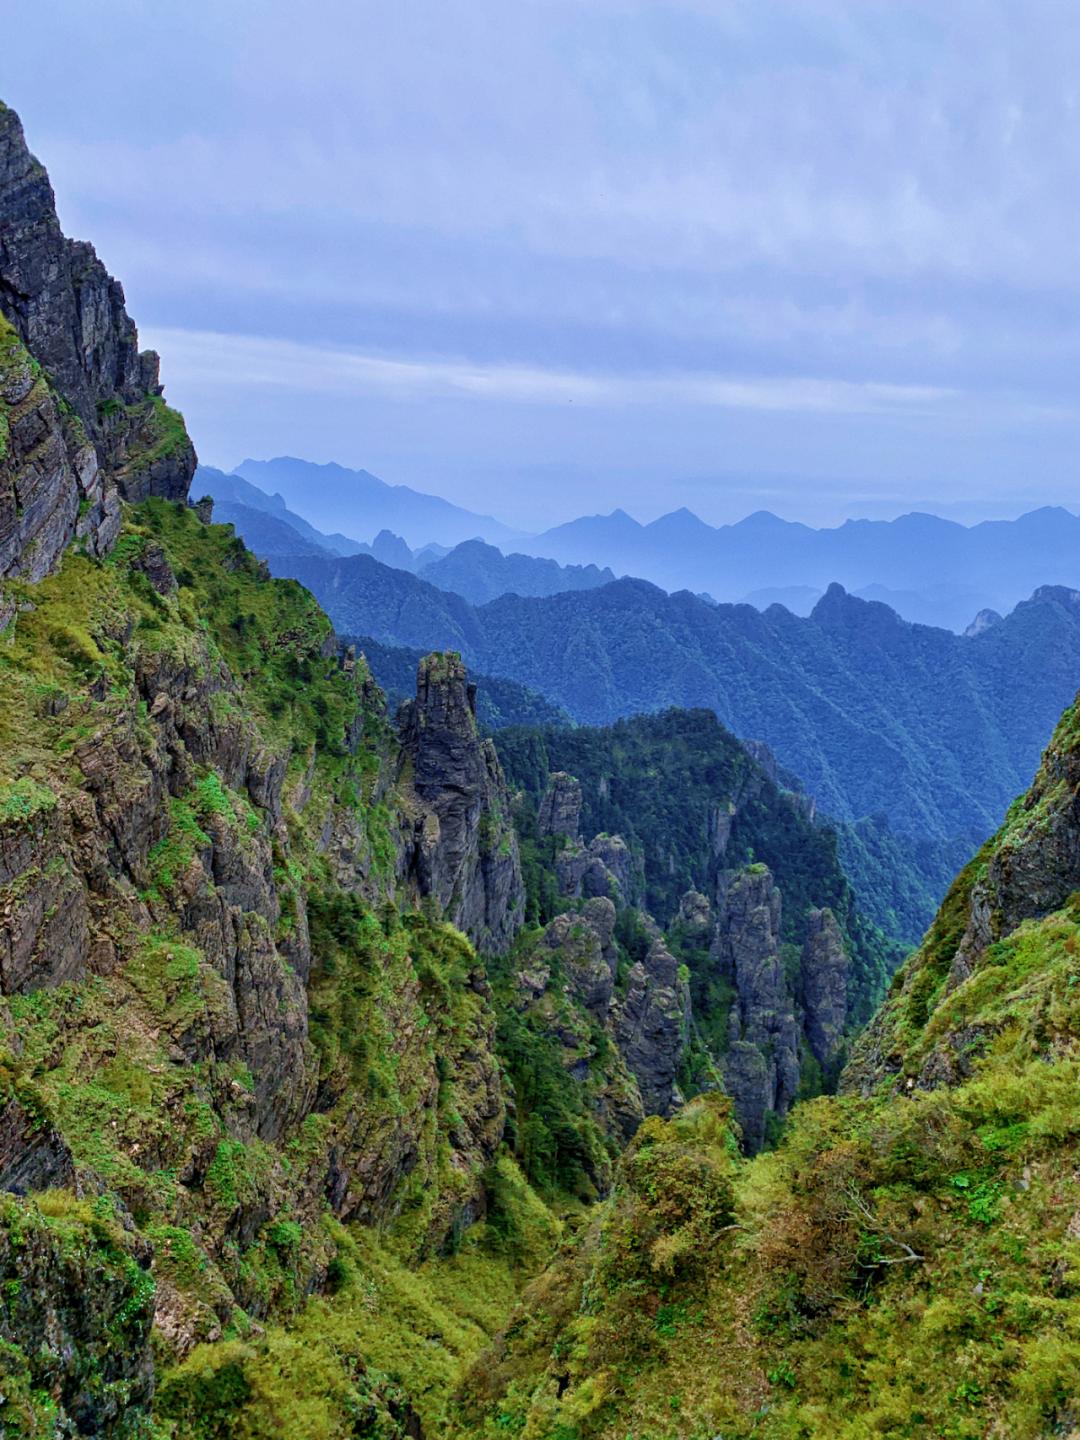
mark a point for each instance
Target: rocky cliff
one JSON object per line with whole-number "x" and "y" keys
{"x": 232, "y": 1013}
{"x": 925, "y": 1034}
{"x": 82, "y": 422}
{"x": 274, "y": 1030}
{"x": 779, "y": 968}
{"x": 462, "y": 850}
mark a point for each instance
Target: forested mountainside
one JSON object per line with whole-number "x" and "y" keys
{"x": 349, "y": 1090}
{"x": 909, "y": 738}
{"x": 874, "y": 715}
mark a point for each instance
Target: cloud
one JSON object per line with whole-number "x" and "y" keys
{"x": 856, "y": 215}
{"x": 212, "y": 359}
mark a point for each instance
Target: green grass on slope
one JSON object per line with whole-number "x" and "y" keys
{"x": 390, "y": 1330}
{"x": 905, "y": 1265}
{"x": 125, "y": 1066}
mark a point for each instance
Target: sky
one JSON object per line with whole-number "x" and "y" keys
{"x": 551, "y": 257}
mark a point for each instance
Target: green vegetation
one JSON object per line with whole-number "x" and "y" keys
{"x": 906, "y": 1262}
{"x": 876, "y": 717}
{"x": 392, "y": 1338}
{"x": 901, "y": 1265}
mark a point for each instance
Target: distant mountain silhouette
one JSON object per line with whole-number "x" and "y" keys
{"x": 242, "y": 498}
{"x": 481, "y": 573}
{"x": 930, "y": 570}
{"x": 475, "y": 570}
{"x": 332, "y": 496}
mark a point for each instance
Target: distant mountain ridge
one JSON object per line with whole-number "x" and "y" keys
{"x": 875, "y": 715}
{"x": 477, "y": 571}
{"x": 932, "y": 570}
{"x": 240, "y": 496}
{"x": 333, "y": 496}
{"x": 480, "y": 573}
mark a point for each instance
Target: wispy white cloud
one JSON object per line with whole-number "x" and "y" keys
{"x": 208, "y": 358}
{"x": 654, "y": 206}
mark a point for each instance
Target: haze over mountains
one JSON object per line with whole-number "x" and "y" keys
{"x": 334, "y": 498}
{"x": 473, "y": 569}
{"x": 930, "y": 570}
{"x": 905, "y": 734}
{"x": 875, "y": 715}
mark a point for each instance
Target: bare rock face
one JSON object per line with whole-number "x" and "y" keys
{"x": 652, "y": 1024}
{"x": 761, "y": 1067}
{"x": 584, "y": 942}
{"x": 560, "y": 809}
{"x": 603, "y": 867}
{"x": 824, "y": 971}
{"x": 45, "y": 934}
{"x": 460, "y": 849}
{"x": 84, "y": 424}
{"x": 33, "y": 1156}
{"x": 1029, "y": 870}
{"x": 622, "y": 1039}
{"x": 1035, "y": 863}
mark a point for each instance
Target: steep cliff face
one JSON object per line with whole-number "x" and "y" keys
{"x": 616, "y": 1026}
{"x": 761, "y": 1065}
{"x": 196, "y": 826}
{"x": 462, "y": 850}
{"x": 781, "y": 969}
{"x": 560, "y": 809}
{"x": 82, "y": 422}
{"x": 790, "y": 1008}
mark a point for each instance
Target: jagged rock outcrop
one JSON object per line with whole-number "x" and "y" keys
{"x": 761, "y": 1066}
{"x": 82, "y": 422}
{"x": 781, "y": 1008}
{"x": 560, "y": 809}
{"x": 652, "y": 1022}
{"x": 603, "y": 867}
{"x": 461, "y": 848}
{"x": 824, "y": 972}
{"x": 984, "y": 620}
{"x": 569, "y": 982}
{"x": 693, "y": 919}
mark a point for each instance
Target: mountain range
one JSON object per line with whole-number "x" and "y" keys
{"x": 929, "y": 569}
{"x": 875, "y": 715}
{"x": 473, "y": 569}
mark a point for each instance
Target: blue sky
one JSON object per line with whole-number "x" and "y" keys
{"x": 554, "y": 256}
